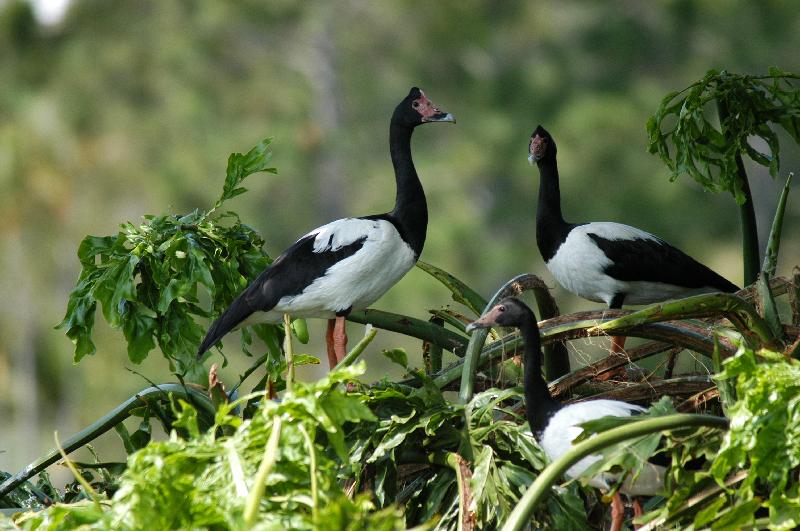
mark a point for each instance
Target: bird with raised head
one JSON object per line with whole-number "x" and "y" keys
{"x": 609, "y": 262}
{"x": 556, "y": 425}
{"x": 349, "y": 263}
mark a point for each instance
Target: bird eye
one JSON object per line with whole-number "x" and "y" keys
{"x": 415, "y": 104}
{"x": 501, "y": 308}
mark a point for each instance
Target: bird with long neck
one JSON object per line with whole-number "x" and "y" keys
{"x": 609, "y": 262}
{"x": 349, "y": 263}
{"x": 556, "y": 425}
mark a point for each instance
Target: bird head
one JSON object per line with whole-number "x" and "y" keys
{"x": 541, "y": 146}
{"x": 508, "y": 312}
{"x": 417, "y": 109}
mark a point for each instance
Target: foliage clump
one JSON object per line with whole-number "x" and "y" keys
{"x": 146, "y": 278}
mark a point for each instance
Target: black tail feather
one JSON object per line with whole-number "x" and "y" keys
{"x": 239, "y": 310}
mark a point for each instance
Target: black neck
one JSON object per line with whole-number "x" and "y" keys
{"x": 410, "y": 212}
{"x": 551, "y": 229}
{"x": 539, "y": 403}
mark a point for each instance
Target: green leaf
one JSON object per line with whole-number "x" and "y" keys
{"x": 139, "y": 329}
{"x": 398, "y": 356}
{"x": 460, "y": 291}
{"x": 115, "y": 287}
{"x": 241, "y": 166}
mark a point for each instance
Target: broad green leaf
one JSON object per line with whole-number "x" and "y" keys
{"x": 460, "y": 291}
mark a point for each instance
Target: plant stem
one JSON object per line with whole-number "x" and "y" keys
{"x": 82, "y": 480}
{"x": 515, "y": 286}
{"x": 459, "y": 466}
{"x": 541, "y": 486}
{"x": 556, "y": 357}
{"x": 105, "y": 423}
{"x": 747, "y": 213}
{"x": 353, "y": 355}
{"x": 287, "y": 346}
{"x": 313, "y": 471}
{"x": 410, "y": 326}
{"x": 259, "y": 482}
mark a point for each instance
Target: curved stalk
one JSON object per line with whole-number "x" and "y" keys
{"x": 515, "y": 286}
{"x": 107, "y": 422}
{"x": 541, "y": 486}
{"x": 738, "y": 311}
{"x": 585, "y": 324}
{"x": 410, "y": 326}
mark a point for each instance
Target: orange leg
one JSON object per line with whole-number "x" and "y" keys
{"x": 329, "y": 343}
{"x": 339, "y": 338}
{"x": 617, "y": 512}
{"x": 618, "y": 344}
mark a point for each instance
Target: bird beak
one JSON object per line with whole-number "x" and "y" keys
{"x": 440, "y": 117}
{"x": 483, "y": 322}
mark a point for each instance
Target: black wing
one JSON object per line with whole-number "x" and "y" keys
{"x": 291, "y": 273}
{"x": 657, "y": 261}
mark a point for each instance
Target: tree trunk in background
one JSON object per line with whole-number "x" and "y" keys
{"x": 21, "y": 439}
{"x": 317, "y": 61}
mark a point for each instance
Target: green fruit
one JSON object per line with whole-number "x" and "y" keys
{"x": 300, "y": 329}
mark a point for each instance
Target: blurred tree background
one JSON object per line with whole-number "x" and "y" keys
{"x": 126, "y": 108}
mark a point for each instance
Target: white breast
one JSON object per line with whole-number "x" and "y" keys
{"x": 564, "y": 427}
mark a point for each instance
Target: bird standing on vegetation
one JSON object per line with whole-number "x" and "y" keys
{"x": 609, "y": 262}
{"x": 555, "y": 425}
{"x": 349, "y": 263}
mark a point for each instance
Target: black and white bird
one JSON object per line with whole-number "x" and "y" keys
{"x": 349, "y": 263}
{"x": 556, "y": 425}
{"x": 609, "y": 262}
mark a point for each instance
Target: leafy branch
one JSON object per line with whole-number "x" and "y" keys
{"x": 711, "y": 153}
{"x": 146, "y": 277}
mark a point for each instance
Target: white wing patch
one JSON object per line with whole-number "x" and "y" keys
{"x": 342, "y": 232}
{"x": 616, "y": 231}
{"x": 356, "y": 281}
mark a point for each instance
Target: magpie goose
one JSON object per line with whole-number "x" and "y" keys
{"x": 349, "y": 263}
{"x": 609, "y": 262}
{"x": 556, "y": 425}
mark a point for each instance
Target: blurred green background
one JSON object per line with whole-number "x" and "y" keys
{"x": 118, "y": 109}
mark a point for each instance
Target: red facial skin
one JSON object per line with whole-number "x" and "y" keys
{"x": 537, "y": 147}
{"x": 425, "y": 107}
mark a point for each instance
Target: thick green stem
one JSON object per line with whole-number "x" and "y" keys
{"x": 515, "y": 286}
{"x": 410, "y": 326}
{"x": 106, "y": 423}
{"x": 357, "y": 350}
{"x": 741, "y": 313}
{"x": 556, "y": 357}
{"x": 551, "y": 474}
{"x": 287, "y": 347}
{"x": 747, "y": 213}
